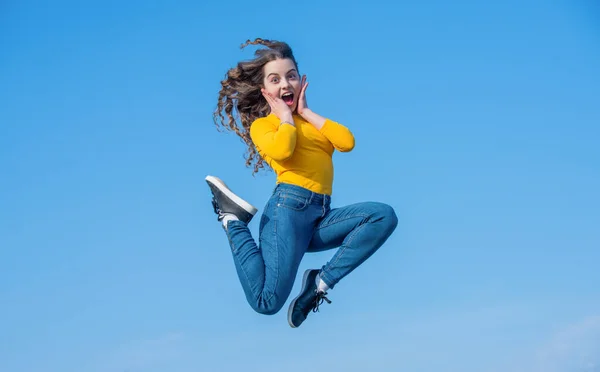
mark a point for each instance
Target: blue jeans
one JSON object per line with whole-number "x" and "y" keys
{"x": 296, "y": 221}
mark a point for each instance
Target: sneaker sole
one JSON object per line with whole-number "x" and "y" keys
{"x": 218, "y": 183}
{"x": 293, "y": 303}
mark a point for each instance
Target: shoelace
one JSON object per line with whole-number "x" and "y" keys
{"x": 318, "y": 300}
{"x": 216, "y": 206}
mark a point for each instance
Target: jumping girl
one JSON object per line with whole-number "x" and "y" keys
{"x": 269, "y": 98}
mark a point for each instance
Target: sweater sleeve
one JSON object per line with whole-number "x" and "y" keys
{"x": 340, "y": 136}
{"x": 276, "y": 141}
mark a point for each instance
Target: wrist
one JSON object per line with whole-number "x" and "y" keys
{"x": 315, "y": 119}
{"x": 286, "y": 119}
{"x": 304, "y": 112}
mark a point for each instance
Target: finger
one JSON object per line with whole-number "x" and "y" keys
{"x": 267, "y": 96}
{"x": 269, "y": 101}
{"x": 273, "y": 99}
{"x": 303, "y": 91}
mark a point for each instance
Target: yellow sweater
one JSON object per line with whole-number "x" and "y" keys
{"x": 301, "y": 155}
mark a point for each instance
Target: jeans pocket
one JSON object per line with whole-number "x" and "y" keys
{"x": 292, "y": 201}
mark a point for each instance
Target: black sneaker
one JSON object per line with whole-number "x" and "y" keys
{"x": 226, "y": 202}
{"x": 308, "y": 300}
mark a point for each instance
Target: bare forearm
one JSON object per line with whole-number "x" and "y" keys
{"x": 315, "y": 119}
{"x": 287, "y": 118}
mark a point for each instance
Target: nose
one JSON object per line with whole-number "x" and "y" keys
{"x": 285, "y": 83}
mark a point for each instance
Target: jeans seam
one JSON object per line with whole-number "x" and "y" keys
{"x": 281, "y": 203}
{"x": 326, "y": 278}
{"x": 342, "y": 220}
{"x": 234, "y": 251}
{"x": 350, "y": 237}
{"x": 275, "y": 239}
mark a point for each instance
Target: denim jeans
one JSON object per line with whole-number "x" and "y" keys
{"x": 296, "y": 221}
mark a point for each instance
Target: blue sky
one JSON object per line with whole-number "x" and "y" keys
{"x": 478, "y": 122}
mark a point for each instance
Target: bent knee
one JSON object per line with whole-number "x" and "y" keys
{"x": 267, "y": 310}
{"x": 386, "y": 214}
{"x": 268, "y": 307}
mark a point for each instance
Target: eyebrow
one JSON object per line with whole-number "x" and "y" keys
{"x": 274, "y": 73}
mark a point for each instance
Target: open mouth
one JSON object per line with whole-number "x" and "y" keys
{"x": 288, "y": 98}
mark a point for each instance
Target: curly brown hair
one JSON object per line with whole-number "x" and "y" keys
{"x": 240, "y": 96}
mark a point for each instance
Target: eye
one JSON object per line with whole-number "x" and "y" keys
{"x": 292, "y": 76}
{"x": 274, "y": 80}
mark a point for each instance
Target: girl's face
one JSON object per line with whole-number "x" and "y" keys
{"x": 282, "y": 81}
